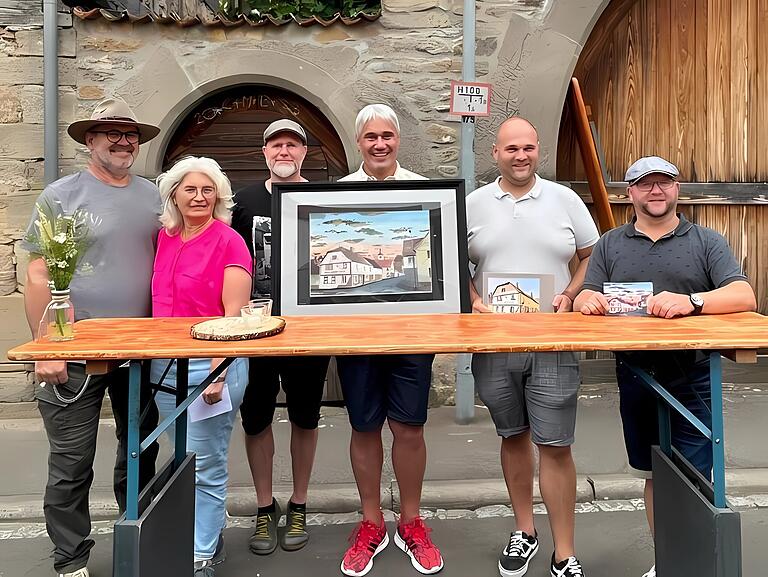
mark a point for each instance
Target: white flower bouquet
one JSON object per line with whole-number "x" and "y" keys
{"x": 61, "y": 240}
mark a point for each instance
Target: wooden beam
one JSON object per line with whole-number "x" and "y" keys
{"x": 591, "y": 161}
{"x": 21, "y": 13}
{"x": 741, "y": 355}
{"x": 99, "y": 367}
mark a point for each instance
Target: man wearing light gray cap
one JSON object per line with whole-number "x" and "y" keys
{"x": 693, "y": 272}
{"x": 285, "y": 147}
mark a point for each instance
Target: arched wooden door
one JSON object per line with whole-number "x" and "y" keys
{"x": 228, "y": 127}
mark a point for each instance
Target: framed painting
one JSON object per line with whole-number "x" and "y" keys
{"x": 518, "y": 292}
{"x": 391, "y": 247}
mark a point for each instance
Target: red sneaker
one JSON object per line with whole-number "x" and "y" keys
{"x": 413, "y": 539}
{"x": 367, "y": 541}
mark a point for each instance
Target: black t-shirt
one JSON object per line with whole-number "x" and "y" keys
{"x": 252, "y": 219}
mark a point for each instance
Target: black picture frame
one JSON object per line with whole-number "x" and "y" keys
{"x": 433, "y": 275}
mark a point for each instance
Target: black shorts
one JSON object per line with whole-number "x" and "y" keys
{"x": 302, "y": 379}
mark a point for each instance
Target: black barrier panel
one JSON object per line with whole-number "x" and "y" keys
{"x": 693, "y": 537}
{"x": 161, "y": 542}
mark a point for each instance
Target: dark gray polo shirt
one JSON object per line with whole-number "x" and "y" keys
{"x": 690, "y": 259}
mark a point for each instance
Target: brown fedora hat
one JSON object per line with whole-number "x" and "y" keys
{"x": 112, "y": 111}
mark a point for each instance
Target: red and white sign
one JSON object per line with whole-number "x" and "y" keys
{"x": 470, "y": 98}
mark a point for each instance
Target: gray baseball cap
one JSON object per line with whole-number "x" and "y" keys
{"x": 649, "y": 165}
{"x": 285, "y": 125}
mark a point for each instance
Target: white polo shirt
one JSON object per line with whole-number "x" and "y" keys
{"x": 537, "y": 233}
{"x": 400, "y": 174}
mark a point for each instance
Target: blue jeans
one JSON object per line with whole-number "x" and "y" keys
{"x": 209, "y": 439}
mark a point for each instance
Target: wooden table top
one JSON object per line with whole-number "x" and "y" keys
{"x": 122, "y": 339}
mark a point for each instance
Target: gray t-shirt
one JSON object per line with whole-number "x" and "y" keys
{"x": 537, "y": 233}
{"x": 115, "y": 275}
{"x": 688, "y": 260}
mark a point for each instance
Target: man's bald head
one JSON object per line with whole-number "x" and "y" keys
{"x": 517, "y": 123}
{"x": 516, "y": 152}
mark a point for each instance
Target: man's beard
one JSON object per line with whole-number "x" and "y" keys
{"x": 284, "y": 168}
{"x": 113, "y": 167}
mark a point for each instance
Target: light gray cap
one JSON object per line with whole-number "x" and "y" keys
{"x": 649, "y": 165}
{"x": 285, "y": 125}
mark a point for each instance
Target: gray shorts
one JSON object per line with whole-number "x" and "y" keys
{"x": 536, "y": 391}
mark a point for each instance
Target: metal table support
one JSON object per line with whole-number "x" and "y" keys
{"x": 697, "y": 533}
{"x": 153, "y": 513}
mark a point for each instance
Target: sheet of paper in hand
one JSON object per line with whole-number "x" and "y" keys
{"x": 627, "y": 298}
{"x": 518, "y": 292}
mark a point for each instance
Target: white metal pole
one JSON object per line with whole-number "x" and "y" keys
{"x": 50, "y": 91}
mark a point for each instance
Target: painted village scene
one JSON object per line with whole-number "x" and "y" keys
{"x": 627, "y": 298}
{"x": 370, "y": 252}
{"x": 513, "y": 295}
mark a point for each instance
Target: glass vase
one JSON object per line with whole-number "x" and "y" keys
{"x": 59, "y": 319}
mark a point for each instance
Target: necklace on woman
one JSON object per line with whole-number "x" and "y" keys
{"x": 191, "y": 231}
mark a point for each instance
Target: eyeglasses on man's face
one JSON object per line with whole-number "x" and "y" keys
{"x": 115, "y": 136}
{"x": 665, "y": 185}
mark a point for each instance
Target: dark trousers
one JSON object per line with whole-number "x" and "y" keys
{"x": 72, "y": 429}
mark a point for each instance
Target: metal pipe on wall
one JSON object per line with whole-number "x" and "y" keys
{"x": 465, "y": 384}
{"x": 50, "y": 90}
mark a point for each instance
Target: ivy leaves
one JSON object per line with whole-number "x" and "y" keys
{"x": 301, "y": 9}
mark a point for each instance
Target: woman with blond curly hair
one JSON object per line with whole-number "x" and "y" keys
{"x": 202, "y": 269}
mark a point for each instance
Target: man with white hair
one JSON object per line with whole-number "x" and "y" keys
{"x": 392, "y": 388}
{"x": 303, "y": 380}
{"x": 125, "y": 209}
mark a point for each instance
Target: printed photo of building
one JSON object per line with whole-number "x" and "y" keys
{"x": 510, "y": 298}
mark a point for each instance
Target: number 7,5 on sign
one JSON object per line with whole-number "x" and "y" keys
{"x": 470, "y": 98}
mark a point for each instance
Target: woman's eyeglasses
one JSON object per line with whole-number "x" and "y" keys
{"x": 115, "y": 136}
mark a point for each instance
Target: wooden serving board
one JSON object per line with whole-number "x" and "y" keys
{"x": 233, "y": 329}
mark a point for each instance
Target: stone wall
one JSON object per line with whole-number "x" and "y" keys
{"x": 526, "y": 48}
{"x": 21, "y": 174}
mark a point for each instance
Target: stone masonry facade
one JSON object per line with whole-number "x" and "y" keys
{"x": 526, "y": 48}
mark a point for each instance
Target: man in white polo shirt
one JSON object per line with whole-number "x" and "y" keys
{"x": 386, "y": 388}
{"x": 522, "y": 223}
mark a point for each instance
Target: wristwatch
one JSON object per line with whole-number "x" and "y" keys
{"x": 697, "y": 302}
{"x": 219, "y": 379}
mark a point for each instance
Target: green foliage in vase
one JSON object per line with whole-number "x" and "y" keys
{"x": 61, "y": 240}
{"x": 281, "y": 9}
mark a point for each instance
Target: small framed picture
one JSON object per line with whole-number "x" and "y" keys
{"x": 627, "y": 298}
{"x": 370, "y": 247}
{"x": 518, "y": 292}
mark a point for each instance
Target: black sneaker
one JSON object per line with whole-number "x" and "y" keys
{"x": 204, "y": 569}
{"x": 514, "y": 559}
{"x": 568, "y": 568}
{"x": 264, "y": 539}
{"x": 295, "y": 535}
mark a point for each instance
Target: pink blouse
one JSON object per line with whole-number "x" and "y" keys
{"x": 188, "y": 277}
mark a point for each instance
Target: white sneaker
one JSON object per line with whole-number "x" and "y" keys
{"x": 651, "y": 573}
{"x": 79, "y": 573}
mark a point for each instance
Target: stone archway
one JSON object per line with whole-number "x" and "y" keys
{"x": 228, "y": 126}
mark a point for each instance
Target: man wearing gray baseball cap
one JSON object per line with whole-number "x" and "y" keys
{"x": 693, "y": 272}
{"x": 303, "y": 381}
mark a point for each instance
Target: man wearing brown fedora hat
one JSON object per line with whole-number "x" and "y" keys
{"x": 124, "y": 213}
